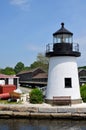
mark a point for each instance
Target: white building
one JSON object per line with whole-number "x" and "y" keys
{"x": 9, "y": 80}
{"x": 63, "y": 73}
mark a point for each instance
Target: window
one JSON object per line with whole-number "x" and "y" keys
{"x": 68, "y": 83}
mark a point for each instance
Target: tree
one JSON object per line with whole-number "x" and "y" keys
{"x": 41, "y": 62}
{"x": 35, "y": 64}
{"x": 1, "y": 70}
{"x": 42, "y": 58}
{"x": 19, "y": 67}
{"x": 26, "y": 68}
{"x": 82, "y": 67}
{"x": 8, "y": 71}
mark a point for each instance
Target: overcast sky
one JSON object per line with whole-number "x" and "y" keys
{"x": 26, "y": 27}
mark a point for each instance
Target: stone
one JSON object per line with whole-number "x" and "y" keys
{"x": 47, "y": 110}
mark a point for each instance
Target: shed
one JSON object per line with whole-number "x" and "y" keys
{"x": 9, "y": 80}
{"x": 82, "y": 76}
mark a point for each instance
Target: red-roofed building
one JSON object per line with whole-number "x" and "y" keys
{"x": 9, "y": 80}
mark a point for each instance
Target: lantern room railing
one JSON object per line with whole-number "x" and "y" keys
{"x": 76, "y": 47}
{"x": 49, "y": 47}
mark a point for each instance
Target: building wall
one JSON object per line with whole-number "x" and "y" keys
{"x": 27, "y": 76}
{"x": 82, "y": 72}
{"x": 82, "y": 77}
{"x": 10, "y": 81}
{"x": 59, "y": 69}
{"x": 2, "y": 82}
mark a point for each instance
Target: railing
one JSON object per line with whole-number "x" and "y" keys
{"x": 75, "y": 47}
{"x": 49, "y": 47}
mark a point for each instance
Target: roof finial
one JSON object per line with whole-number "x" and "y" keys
{"x": 62, "y": 25}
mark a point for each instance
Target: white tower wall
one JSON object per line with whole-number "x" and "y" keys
{"x": 62, "y": 67}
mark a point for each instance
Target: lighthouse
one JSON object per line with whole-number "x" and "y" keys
{"x": 63, "y": 71}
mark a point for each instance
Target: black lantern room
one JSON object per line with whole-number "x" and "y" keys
{"x": 62, "y": 44}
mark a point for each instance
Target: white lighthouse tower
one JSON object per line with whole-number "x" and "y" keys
{"x": 63, "y": 73}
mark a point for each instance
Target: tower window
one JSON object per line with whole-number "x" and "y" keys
{"x": 68, "y": 83}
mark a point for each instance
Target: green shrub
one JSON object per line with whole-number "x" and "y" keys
{"x": 83, "y": 92}
{"x": 36, "y": 96}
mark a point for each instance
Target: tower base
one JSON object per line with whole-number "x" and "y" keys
{"x": 74, "y": 101}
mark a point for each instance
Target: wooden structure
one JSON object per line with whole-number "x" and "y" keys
{"x": 15, "y": 95}
{"x": 82, "y": 76}
{"x": 62, "y": 100}
{"x": 34, "y": 77}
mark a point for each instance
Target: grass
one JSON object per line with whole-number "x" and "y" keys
{"x": 7, "y": 102}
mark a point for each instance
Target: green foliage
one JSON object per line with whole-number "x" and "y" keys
{"x": 19, "y": 67}
{"x": 83, "y": 92}
{"x": 8, "y": 71}
{"x": 42, "y": 58}
{"x": 26, "y": 68}
{"x": 42, "y": 62}
{"x": 6, "y": 102}
{"x": 82, "y": 67}
{"x": 36, "y": 96}
{"x": 35, "y": 65}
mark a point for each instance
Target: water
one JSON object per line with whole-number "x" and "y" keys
{"x": 24, "y": 124}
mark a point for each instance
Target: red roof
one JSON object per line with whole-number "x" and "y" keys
{"x": 7, "y": 76}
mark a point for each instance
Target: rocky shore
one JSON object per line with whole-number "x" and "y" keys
{"x": 43, "y": 111}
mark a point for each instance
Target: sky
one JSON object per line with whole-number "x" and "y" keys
{"x": 26, "y": 27}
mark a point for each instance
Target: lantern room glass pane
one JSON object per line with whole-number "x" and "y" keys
{"x": 62, "y": 38}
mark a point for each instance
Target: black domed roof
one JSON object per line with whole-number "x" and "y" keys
{"x": 62, "y": 30}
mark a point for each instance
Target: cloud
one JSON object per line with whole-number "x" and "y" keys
{"x": 82, "y": 43}
{"x": 34, "y": 48}
{"x": 23, "y": 4}
{"x": 19, "y": 2}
